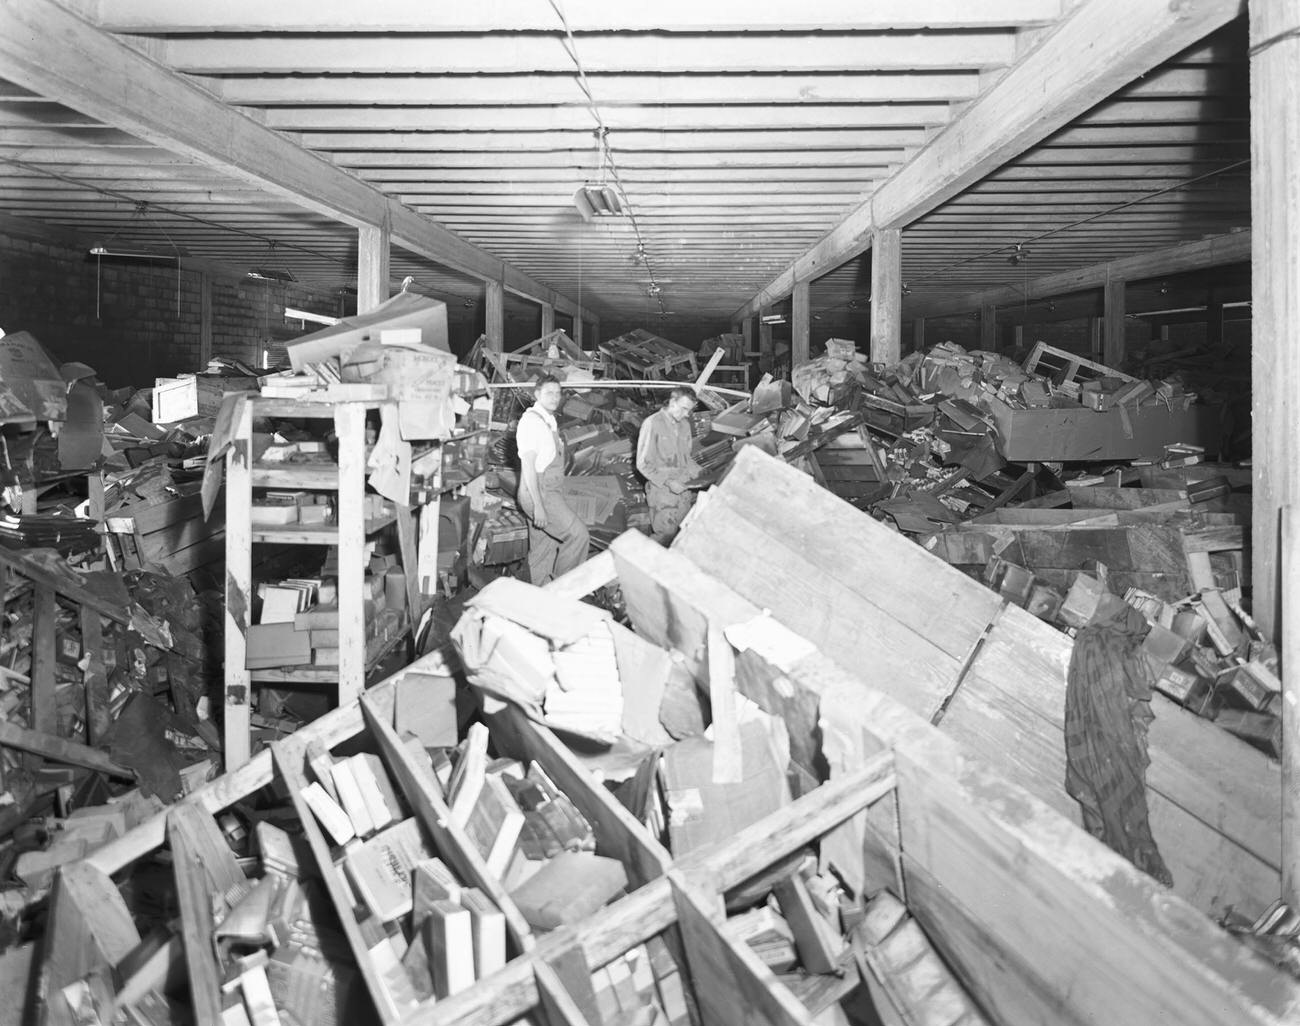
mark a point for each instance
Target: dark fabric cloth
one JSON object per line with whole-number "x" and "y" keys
{"x": 1107, "y": 710}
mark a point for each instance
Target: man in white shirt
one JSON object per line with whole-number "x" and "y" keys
{"x": 663, "y": 456}
{"x": 557, "y": 539}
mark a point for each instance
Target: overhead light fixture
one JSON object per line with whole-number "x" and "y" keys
{"x": 131, "y": 254}
{"x": 597, "y": 201}
{"x": 772, "y": 318}
{"x": 1019, "y": 256}
{"x": 268, "y": 270}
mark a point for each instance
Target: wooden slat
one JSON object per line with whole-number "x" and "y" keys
{"x": 194, "y": 896}
{"x": 51, "y": 746}
{"x": 237, "y": 685}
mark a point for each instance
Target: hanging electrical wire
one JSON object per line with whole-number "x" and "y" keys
{"x": 655, "y": 290}
{"x": 1019, "y": 249}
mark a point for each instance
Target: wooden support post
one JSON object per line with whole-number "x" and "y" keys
{"x": 578, "y": 327}
{"x": 1275, "y": 254}
{"x": 1291, "y": 710}
{"x": 494, "y": 318}
{"x": 237, "y": 712}
{"x": 800, "y": 325}
{"x": 593, "y": 336}
{"x": 766, "y": 348}
{"x": 350, "y": 426}
{"x": 989, "y": 327}
{"x": 205, "y": 318}
{"x": 44, "y": 714}
{"x": 373, "y": 249}
{"x": 548, "y": 318}
{"x": 747, "y": 330}
{"x": 886, "y": 296}
{"x": 918, "y": 335}
{"x": 1095, "y": 351}
{"x": 1114, "y": 355}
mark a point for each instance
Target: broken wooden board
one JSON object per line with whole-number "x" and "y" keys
{"x": 932, "y": 638}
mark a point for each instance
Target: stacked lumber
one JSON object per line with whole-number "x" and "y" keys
{"x": 987, "y": 672}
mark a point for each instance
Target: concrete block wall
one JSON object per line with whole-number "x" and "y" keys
{"x": 136, "y": 322}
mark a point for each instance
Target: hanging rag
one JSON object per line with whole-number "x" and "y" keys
{"x": 1107, "y": 710}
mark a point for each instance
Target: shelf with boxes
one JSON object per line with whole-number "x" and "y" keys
{"x": 338, "y": 623}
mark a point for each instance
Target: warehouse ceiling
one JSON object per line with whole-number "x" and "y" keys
{"x": 738, "y": 135}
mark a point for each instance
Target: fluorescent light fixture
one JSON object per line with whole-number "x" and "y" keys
{"x": 270, "y": 274}
{"x": 292, "y": 314}
{"x": 131, "y": 254}
{"x": 597, "y": 201}
{"x": 773, "y": 318}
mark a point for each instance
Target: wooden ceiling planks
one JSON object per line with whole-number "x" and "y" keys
{"x": 743, "y": 133}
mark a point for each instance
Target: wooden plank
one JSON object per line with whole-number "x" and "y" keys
{"x": 350, "y": 426}
{"x": 558, "y": 1006}
{"x": 740, "y": 988}
{"x": 800, "y": 323}
{"x": 1115, "y": 351}
{"x": 886, "y": 296}
{"x": 1275, "y": 363}
{"x": 452, "y": 842}
{"x": 618, "y": 833}
{"x": 728, "y": 767}
{"x": 586, "y": 577}
{"x": 88, "y": 926}
{"x": 237, "y": 696}
{"x": 1290, "y": 697}
{"x": 374, "y": 246}
{"x": 1085, "y": 928}
{"x": 98, "y": 720}
{"x": 194, "y": 896}
{"x": 44, "y": 715}
{"x": 51, "y": 746}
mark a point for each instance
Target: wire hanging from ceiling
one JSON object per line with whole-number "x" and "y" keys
{"x": 655, "y": 290}
{"x": 1019, "y": 249}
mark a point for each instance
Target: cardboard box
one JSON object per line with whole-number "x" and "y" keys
{"x": 194, "y": 395}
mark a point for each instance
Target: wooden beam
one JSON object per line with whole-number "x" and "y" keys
{"x": 205, "y": 318}
{"x": 918, "y": 334}
{"x": 1113, "y": 334}
{"x": 1275, "y": 359}
{"x": 548, "y": 318}
{"x": 886, "y": 297}
{"x": 989, "y": 327}
{"x": 1100, "y": 46}
{"x": 800, "y": 325}
{"x": 398, "y": 16}
{"x": 374, "y": 246}
{"x": 766, "y": 347}
{"x": 50, "y": 50}
{"x": 57, "y": 749}
{"x": 494, "y": 316}
{"x": 1290, "y": 588}
{"x": 1232, "y": 248}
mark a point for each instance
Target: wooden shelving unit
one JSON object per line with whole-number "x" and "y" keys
{"x": 347, "y": 480}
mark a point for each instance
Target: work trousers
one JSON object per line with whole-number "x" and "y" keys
{"x": 667, "y": 510}
{"x": 563, "y": 544}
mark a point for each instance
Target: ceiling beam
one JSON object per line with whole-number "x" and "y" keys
{"x": 610, "y": 90}
{"x": 241, "y": 16}
{"x": 584, "y": 159}
{"x": 794, "y": 140}
{"x": 606, "y": 52}
{"x": 1101, "y": 46}
{"x": 1190, "y": 256}
{"x": 46, "y": 48}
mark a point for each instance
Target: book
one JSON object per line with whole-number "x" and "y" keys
{"x": 468, "y": 775}
{"x": 431, "y": 881}
{"x": 488, "y": 925}
{"x": 331, "y": 815}
{"x": 381, "y": 869}
{"x": 494, "y": 824}
{"x": 449, "y": 941}
{"x": 376, "y": 789}
{"x": 350, "y": 797}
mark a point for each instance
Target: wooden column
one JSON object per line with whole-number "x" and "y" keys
{"x": 1113, "y": 353}
{"x": 886, "y": 296}
{"x": 766, "y": 348}
{"x": 593, "y": 336}
{"x": 578, "y": 327}
{"x": 1095, "y": 351}
{"x": 747, "y": 330}
{"x": 1275, "y": 371}
{"x": 800, "y": 325}
{"x": 918, "y": 334}
{"x": 989, "y": 327}
{"x": 494, "y": 319}
{"x": 548, "y": 318}
{"x": 205, "y": 318}
{"x": 373, "y": 247}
